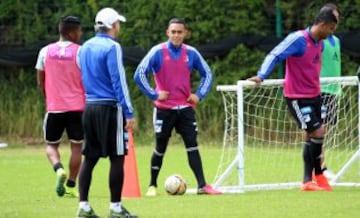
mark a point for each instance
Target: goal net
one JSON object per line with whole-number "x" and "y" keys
{"x": 262, "y": 144}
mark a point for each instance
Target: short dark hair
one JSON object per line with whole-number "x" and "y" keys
{"x": 68, "y": 23}
{"x": 178, "y": 21}
{"x": 326, "y": 14}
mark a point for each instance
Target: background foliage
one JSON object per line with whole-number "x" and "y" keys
{"x": 25, "y": 23}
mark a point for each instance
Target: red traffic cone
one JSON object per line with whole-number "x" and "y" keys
{"x": 131, "y": 187}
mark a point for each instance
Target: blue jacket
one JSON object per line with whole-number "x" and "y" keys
{"x": 103, "y": 73}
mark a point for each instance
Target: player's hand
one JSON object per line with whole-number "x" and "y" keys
{"x": 130, "y": 124}
{"x": 193, "y": 98}
{"x": 163, "y": 95}
{"x": 255, "y": 79}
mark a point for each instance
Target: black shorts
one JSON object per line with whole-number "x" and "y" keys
{"x": 329, "y": 108}
{"x": 104, "y": 131}
{"x": 307, "y": 112}
{"x": 183, "y": 120}
{"x": 56, "y": 123}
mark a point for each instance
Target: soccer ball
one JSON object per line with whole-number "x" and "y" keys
{"x": 175, "y": 185}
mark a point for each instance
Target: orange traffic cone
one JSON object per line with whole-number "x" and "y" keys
{"x": 131, "y": 188}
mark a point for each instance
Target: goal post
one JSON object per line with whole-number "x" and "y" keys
{"x": 262, "y": 144}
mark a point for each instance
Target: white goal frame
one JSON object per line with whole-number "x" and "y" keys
{"x": 238, "y": 162}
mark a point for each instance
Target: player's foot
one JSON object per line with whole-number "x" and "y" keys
{"x": 208, "y": 190}
{"x": 60, "y": 181}
{"x": 151, "y": 192}
{"x": 321, "y": 180}
{"x": 86, "y": 214}
{"x": 71, "y": 192}
{"x": 311, "y": 186}
{"x": 328, "y": 174}
{"x": 123, "y": 214}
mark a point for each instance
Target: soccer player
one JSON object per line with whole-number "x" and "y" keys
{"x": 302, "y": 51}
{"x": 108, "y": 114}
{"x": 172, "y": 63}
{"x": 59, "y": 78}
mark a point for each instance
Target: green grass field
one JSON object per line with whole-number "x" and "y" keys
{"x": 27, "y": 191}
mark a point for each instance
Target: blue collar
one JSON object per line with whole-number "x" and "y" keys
{"x": 172, "y": 47}
{"x": 104, "y": 35}
{"x": 311, "y": 37}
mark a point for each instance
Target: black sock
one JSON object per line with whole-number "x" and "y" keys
{"x": 58, "y": 166}
{"x": 315, "y": 150}
{"x": 157, "y": 158}
{"x": 196, "y": 166}
{"x": 156, "y": 163}
{"x": 70, "y": 183}
{"x": 308, "y": 166}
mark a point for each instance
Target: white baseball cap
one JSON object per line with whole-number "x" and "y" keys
{"x": 107, "y": 17}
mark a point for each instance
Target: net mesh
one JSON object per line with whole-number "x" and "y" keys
{"x": 272, "y": 151}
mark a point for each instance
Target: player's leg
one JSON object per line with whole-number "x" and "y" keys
{"x": 92, "y": 153}
{"x": 53, "y": 129}
{"x": 112, "y": 130}
{"x": 302, "y": 110}
{"x": 308, "y": 166}
{"x": 85, "y": 177}
{"x": 76, "y": 136}
{"x": 315, "y": 132}
{"x": 186, "y": 126}
{"x": 116, "y": 181}
{"x": 163, "y": 124}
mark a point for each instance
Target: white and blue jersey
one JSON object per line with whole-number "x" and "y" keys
{"x": 103, "y": 73}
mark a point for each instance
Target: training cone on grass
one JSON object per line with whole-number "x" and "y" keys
{"x": 131, "y": 188}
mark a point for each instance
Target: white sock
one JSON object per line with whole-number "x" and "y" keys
{"x": 115, "y": 206}
{"x": 85, "y": 205}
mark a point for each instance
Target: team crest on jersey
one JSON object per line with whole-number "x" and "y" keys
{"x": 186, "y": 59}
{"x": 316, "y": 59}
{"x": 335, "y": 57}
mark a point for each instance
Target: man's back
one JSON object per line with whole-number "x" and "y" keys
{"x": 63, "y": 85}
{"x": 94, "y": 66}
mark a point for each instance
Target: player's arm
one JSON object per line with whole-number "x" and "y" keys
{"x": 293, "y": 45}
{"x": 150, "y": 63}
{"x": 40, "y": 66}
{"x": 118, "y": 79}
{"x": 41, "y": 80}
{"x": 205, "y": 72}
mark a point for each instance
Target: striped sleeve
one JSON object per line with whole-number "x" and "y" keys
{"x": 118, "y": 79}
{"x": 293, "y": 45}
{"x": 206, "y": 73}
{"x": 150, "y": 63}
